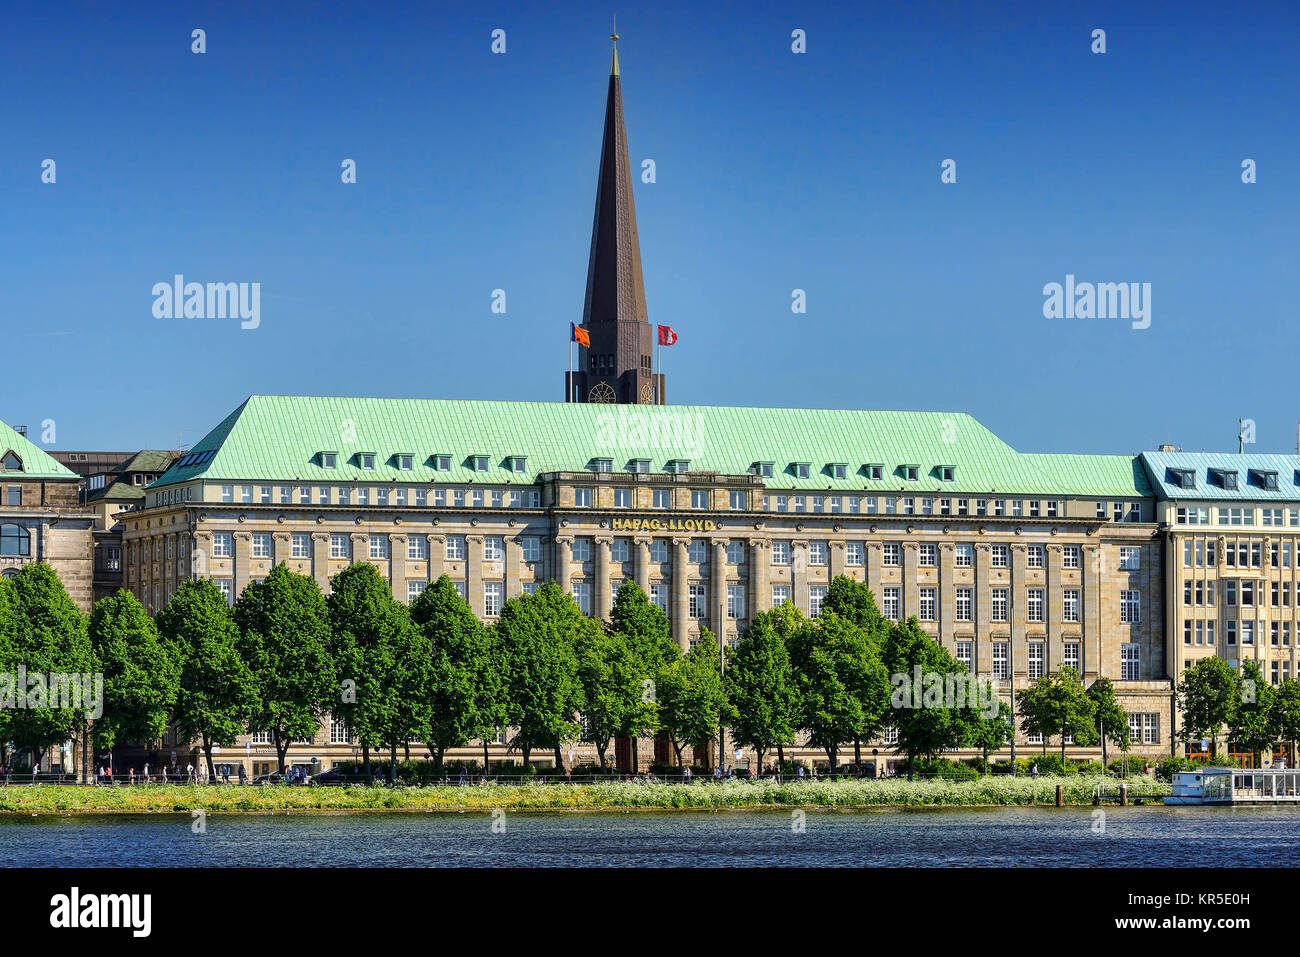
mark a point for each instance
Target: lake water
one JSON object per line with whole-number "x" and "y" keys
{"x": 1135, "y": 836}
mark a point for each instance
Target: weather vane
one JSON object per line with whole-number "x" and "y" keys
{"x": 614, "y": 36}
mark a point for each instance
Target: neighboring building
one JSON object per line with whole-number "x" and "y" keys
{"x": 86, "y": 464}
{"x": 1231, "y": 527}
{"x": 40, "y": 517}
{"x": 109, "y": 492}
{"x": 1018, "y": 563}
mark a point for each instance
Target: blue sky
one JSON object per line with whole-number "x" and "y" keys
{"x": 775, "y": 171}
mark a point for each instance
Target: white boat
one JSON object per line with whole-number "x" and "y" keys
{"x": 1235, "y": 786}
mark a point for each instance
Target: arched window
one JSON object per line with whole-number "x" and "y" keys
{"x": 15, "y": 540}
{"x": 9, "y": 573}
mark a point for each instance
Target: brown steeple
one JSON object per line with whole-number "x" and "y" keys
{"x": 618, "y": 365}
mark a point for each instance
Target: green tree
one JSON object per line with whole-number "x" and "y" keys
{"x": 854, "y": 602}
{"x": 611, "y": 687}
{"x": 216, "y": 694}
{"x": 646, "y": 631}
{"x": 1207, "y": 695}
{"x": 1286, "y": 705}
{"x": 1110, "y": 718}
{"x": 924, "y": 707}
{"x": 8, "y": 661}
{"x": 690, "y": 695}
{"x": 1254, "y": 722}
{"x": 987, "y": 732}
{"x": 141, "y": 678}
{"x": 1057, "y": 705}
{"x": 49, "y": 638}
{"x": 537, "y": 637}
{"x": 762, "y": 701}
{"x": 284, "y": 629}
{"x": 465, "y": 698}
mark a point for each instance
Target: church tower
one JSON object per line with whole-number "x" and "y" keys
{"x": 618, "y": 365}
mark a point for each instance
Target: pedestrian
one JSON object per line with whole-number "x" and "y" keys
{"x": 1033, "y": 772}
{"x": 243, "y": 775}
{"x": 799, "y": 773}
{"x": 145, "y": 772}
{"x": 189, "y": 774}
{"x": 133, "y": 774}
{"x": 110, "y": 773}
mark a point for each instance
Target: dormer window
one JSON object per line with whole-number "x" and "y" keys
{"x": 639, "y": 465}
{"x": 911, "y": 472}
{"x": 679, "y": 466}
{"x": 874, "y": 471}
{"x": 947, "y": 473}
{"x": 839, "y": 470}
{"x": 518, "y": 463}
{"x": 366, "y": 460}
{"x": 441, "y": 462}
{"x": 404, "y": 461}
{"x": 1224, "y": 478}
{"x": 328, "y": 460}
{"x": 1263, "y": 478}
{"x": 479, "y": 463}
{"x": 801, "y": 469}
{"x": 1183, "y": 478}
{"x": 12, "y": 463}
{"x": 601, "y": 465}
{"x": 763, "y": 469}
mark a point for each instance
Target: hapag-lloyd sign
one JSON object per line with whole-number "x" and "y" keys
{"x": 663, "y": 524}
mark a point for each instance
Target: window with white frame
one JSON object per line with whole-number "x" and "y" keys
{"x": 1034, "y": 556}
{"x": 963, "y": 555}
{"x": 1000, "y": 556}
{"x": 928, "y": 555}
{"x": 620, "y": 550}
{"x": 492, "y": 592}
{"x": 891, "y": 603}
{"x": 1034, "y": 604}
{"x": 300, "y": 545}
{"x": 659, "y": 550}
{"x": 494, "y": 548}
{"x": 455, "y": 548}
{"x": 928, "y": 604}
{"x": 816, "y": 595}
{"x": 1001, "y": 660}
{"x": 780, "y": 553}
{"x": 339, "y": 731}
{"x": 415, "y": 588}
{"x": 735, "y": 552}
{"x": 582, "y": 595}
{"x": 1070, "y": 604}
{"x": 966, "y": 655}
{"x": 340, "y": 545}
{"x": 1130, "y": 607}
{"x": 532, "y": 548}
{"x": 697, "y": 552}
{"x": 735, "y": 601}
{"x": 963, "y": 604}
{"x": 816, "y": 553}
{"x": 1070, "y": 556}
{"x": 659, "y": 596}
{"x": 1130, "y": 662}
{"x": 622, "y": 498}
{"x": 853, "y": 553}
{"x": 1072, "y": 657}
{"x": 697, "y": 603}
{"x": 582, "y": 498}
{"x": 223, "y": 544}
{"x": 891, "y": 553}
{"x": 378, "y": 547}
{"x": 417, "y": 548}
{"x": 227, "y": 589}
{"x": 999, "y": 605}
{"x": 581, "y": 550}
{"x": 1037, "y": 659}
{"x": 1130, "y": 559}
{"x": 780, "y": 595}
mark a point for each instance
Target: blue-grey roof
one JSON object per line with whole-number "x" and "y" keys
{"x": 1164, "y": 469}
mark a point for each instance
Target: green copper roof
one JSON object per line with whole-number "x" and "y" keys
{"x": 36, "y": 463}
{"x": 1206, "y": 470}
{"x": 280, "y": 438}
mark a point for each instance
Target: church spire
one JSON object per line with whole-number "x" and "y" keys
{"x": 617, "y": 366}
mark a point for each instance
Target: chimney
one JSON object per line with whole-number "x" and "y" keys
{"x": 1166, "y": 448}
{"x": 21, "y": 430}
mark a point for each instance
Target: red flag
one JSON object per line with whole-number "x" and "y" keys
{"x": 667, "y": 336}
{"x": 579, "y": 335}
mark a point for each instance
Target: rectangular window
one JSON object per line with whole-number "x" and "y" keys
{"x": 582, "y": 498}
{"x": 735, "y": 552}
{"x": 659, "y": 597}
{"x": 891, "y": 554}
{"x": 301, "y": 545}
{"x": 378, "y": 547}
{"x": 261, "y": 545}
{"x": 697, "y": 552}
{"x": 223, "y": 545}
{"x": 581, "y": 550}
{"x": 816, "y": 553}
{"x": 1001, "y": 556}
{"x": 1037, "y": 659}
{"x": 1130, "y": 662}
{"x": 227, "y": 589}
{"x": 696, "y": 602}
{"x": 891, "y": 605}
{"x": 414, "y": 589}
{"x": 1070, "y": 556}
{"x": 928, "y": 603}
{"x": 340, "y": 546}
{"x": 699, "y": 498}
{"x": 662, "y": 498}
{"x": 455, "y": 548}
{"x": 963, "y": 604}
{"x": 532, "y": 548}
{"x": 1034, "y": 606}
{"x": 494, "y": 548}
{"x": 582, "y": 595}
{"x": 964, "y": 556}
{"x": 780, "y": 553}
{"x": 492, "y": 598}
{"x": 1071, "y": 657}
{"x": 1130, "y": 559}
{"x": 1130, "y": 607}
{"x": 966, "y": 655}
{"x": 999, "y": 604}
{"x": 1070, "y": 604}
{"x": 1001, "y": 660}
{"x": 853, "y": 553}
{"x": 620, "y": 550}
{"x": 622, "y": 498}
{"x": 659, "y": 550}
{"x": 816, "y": 595}
{"x": 928, "y": 555}
{"x": 735, "y": 601}
{"x": 1034, "y": 556}
{"x": 417, "y": 548}
{"x": 780, "y": 594}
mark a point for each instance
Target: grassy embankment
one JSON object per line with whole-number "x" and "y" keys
{"x": 989, "y": 791}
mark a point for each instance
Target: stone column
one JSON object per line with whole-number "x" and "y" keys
{"x": 437, "y": 556}
{"x": 360, "y": 547}
{"x": 799, "y": 575}
{"x": 564, "y": 562}
{"x": 875, "y": 578}
{"x": 397, "y": 566}
{"x": 474, "y": 573}
{"x": 320, "y": 560}
{"x": 946, "y": 596}
{"x": 1090, "y": 578}
{"x": 835, "y": 560}
{"x": 1019, "y": 611}
{"x": 242, "y": 542}
{"x": 1054, "y": 612}
{"x": 514, "y": 567}
{"x": 983, "y": 608}
{"x": 643, "y": 564}
{"x": 680, "y": 601}
{"x": 760, "y": 592}
{"x": 718, "y": 590}
{"x": 281, "y": 549}
{"x": 600, "y": 592}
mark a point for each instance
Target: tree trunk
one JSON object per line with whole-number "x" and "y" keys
{"x": 392, "y": 762}
{"x": 281, "y": 750}
{"x": 636, "y": 756}
{"x": 437, "y": 760}
{"x": 527, "y": 750}
{"x": 485, "y": 757}
{"x": 678, "y": 749}
{"x": 559, "y": 758}
{"x": 857, "y": 754}
{"x": 207, "y": 753}
{"x": 600, "y": 753}
{"x": 365, "y": 758}
{"x": 407, "y": 752}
